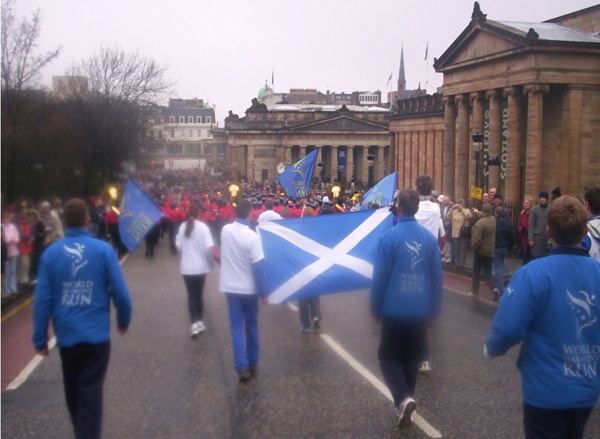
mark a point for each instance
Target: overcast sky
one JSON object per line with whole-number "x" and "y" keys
{"x": 223, "y": 51}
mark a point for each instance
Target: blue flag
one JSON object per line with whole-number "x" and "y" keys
{"x": 296, "y": 179}
{"x": 139, "y": 213}
{"x": 382, "y": 193}
{"x": 320, "y": 255}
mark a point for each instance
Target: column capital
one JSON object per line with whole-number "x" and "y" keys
{"x": 350, "y": 146}
{"x": 461, "y": 98}
{"x": 382, "y": 146}
{"x": 536, "y": 88}
{"x": 492, "y": 94}
{"x": 510, "y": 91}
{"x": 447, "y": 100}
{"x": 476, "y": 96}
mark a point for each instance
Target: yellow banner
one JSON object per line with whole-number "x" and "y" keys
{"x": 476, "y": 192}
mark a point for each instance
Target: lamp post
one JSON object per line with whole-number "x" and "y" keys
{"x": 320, "y": 166}
{"x": 253, "y": 169}
{"x": 370, "y": 158}
{"x": 477, "y": 143}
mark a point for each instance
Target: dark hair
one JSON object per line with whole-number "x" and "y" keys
{"x": 487, "y": 208}
{"x": 498, "y": 211}
{"x": 424, "y": 185}
{"x": 268, "y": 204}
{"x": 592, "y": 196}
{"x": 408, "y": 202}
{"x": 567, "y": 220}
{"x": 75, "y": 213}
{"x": 192, "y": 214}
{"x": 243, "y": 208}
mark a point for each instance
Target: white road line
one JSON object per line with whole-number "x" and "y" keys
{"x": 38, "y": 358}
{"x": 417, "y": 419}
{"x": 30, "y": 367}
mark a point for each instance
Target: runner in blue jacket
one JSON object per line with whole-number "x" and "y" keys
{"x": 552, "y": 306}
{"x": 406, "y": 295}
{"x": 78, "y": 277}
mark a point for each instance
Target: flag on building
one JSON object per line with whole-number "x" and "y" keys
{"x": 382, "y": 193}
{"x": 296, "y": 179}
{"x": 138, "y": 214}
{"x": 426, "y": 50}
{"x": 273, "y": 77}
{"x": 320, "y": 255}
{"x": 390, "y": 78}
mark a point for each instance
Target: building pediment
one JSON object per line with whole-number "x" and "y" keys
{"x": 343, "y": 123}
{"x": 484, "y": 40}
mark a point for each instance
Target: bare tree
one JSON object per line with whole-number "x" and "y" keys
{"x": 119, "y": 83}
{"x": 21, "y": 68}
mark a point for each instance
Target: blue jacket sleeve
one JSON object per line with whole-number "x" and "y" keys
{"x": 517, "y": 312}
{"x": 118, "y": 291}
{"x": 381, "y": 276}
{"x": 42, "y": 305}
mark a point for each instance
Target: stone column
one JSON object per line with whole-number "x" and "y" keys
{"x": 319, "y": 160}
{"x": 287, "y": 154}
{"x": 477, "y": 103}
{"x": 365, "y": 166}
{"x": 302, "y": 151}
{"x": 494, "y": 137}
{"x": 513, "y": 153}
{"x": 461, "y": 171}
{"x": 333, "y": 163}
{"x": 380, "y": 159}
{"x": 533, "y": 157}
{"x": 349, "y": 164}
{"x": 449, "y": 163}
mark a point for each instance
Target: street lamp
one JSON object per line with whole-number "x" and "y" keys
{"x": 253, "y": 169}
{"x": 477, "y": 143}
{"x": 320, "y": 166}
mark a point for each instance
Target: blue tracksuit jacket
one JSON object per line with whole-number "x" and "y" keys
{"x": 78, "y": 276}
{"x": 553, "y": 306}
{"x": 407, "y": 277}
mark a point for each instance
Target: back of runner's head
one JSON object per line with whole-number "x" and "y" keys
{"x": 567, "y": 221}
{"x": 75, "y": 213}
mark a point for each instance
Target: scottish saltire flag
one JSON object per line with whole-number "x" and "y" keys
{"x": 382, "y": 193}
{"x": 138, "y": 214}
{"x": 296, "y": 179}
{"x": 320, "y": 255}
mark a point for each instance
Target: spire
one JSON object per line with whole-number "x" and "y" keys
{"x": 401, "y": 76}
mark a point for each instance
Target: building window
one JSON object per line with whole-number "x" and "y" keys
{"x": 160, "y": 134}
{"x": 192, "y": 148}
{"x": 198, "y": 119}
{"x": 208, "y": 149}
{"x": 174, "y": 149}
{"x": 172, "y": 134}
{"x": 190, "y": 119}
{"x": 199, "y": 133}
{"x": 181, "y": 119}
{"x": 191, "y": 133}
{"x": 171, "y": 119}
{"x": 208, "y": 119}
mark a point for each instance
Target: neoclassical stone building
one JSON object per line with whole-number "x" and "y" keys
{"x": 531, "y": 89}
{"x": 283, "y": 133}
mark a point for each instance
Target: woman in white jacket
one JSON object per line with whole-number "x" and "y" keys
{"x": 195, "y": 243}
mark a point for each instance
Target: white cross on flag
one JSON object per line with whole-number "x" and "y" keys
{"x": 319, "y": 255}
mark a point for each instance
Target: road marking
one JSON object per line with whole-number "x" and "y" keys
{"x": 417, "y": 419}
{"x": 38, "y": 358}
{"x": 292, "y": 307}
{"x": 30, "y": 367}
{"x": 12, "y": 312}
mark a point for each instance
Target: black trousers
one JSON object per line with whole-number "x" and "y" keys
{"x": 479, "y": 262}
{"x": 84, "y": 368}
{"x": 401, "y": 350}
{"x": 554, "y": 424}
{"x": 194, "y": 284}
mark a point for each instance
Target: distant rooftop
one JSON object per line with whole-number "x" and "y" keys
{"x": 311, "y": 108}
